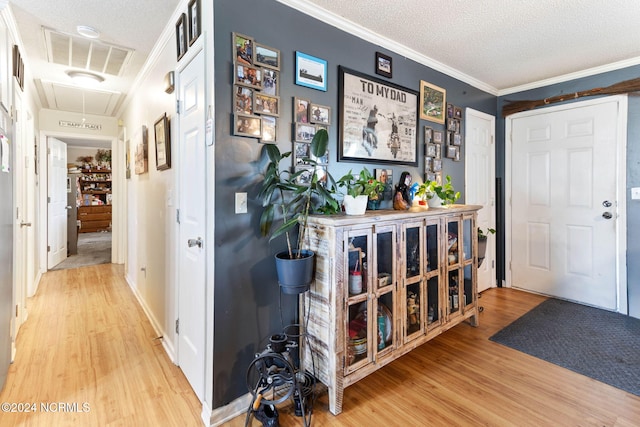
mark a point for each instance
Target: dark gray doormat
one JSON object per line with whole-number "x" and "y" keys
{"x": 597, "y": 343}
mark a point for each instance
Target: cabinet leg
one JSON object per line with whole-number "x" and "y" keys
{"x": 335, "y": 399}
{"x": 473, "y": 320}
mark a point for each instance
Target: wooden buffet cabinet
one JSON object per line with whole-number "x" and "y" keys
{"x": 386, "y": 282}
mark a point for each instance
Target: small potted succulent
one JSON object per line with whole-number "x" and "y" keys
{"x": 438, "y": 195}
{"x": 360, "y": 189}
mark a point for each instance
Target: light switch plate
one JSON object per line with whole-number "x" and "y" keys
{"x": 241, "y": 203}
{"x": 635, "y": 193}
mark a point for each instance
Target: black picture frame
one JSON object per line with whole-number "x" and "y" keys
{"x": 181, "y": 36}
{"x": 194, "y": 21}
{"x": 384, "y": 65}
{"x": 162, "y": 133}
{"x": 377, "y": 120}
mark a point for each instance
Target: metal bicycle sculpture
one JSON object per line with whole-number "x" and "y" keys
{"x": 272, "y": 379}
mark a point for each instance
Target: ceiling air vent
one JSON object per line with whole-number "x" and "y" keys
{"x": 82, "y": 53}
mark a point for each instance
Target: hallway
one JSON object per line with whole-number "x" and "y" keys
{"x": 88, "y": 345}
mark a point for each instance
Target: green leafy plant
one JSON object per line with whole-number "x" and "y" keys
{"x": 363, "y": 184}
{"x": 289, "y": 198}
{"x": 483, "y": 234}
{"x": 445, "y": 192}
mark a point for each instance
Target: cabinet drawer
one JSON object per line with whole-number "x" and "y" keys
{"x": 94, "y": 209}
{"x": 94, "y": 216}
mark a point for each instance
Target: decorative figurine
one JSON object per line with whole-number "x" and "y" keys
{"x": 402, "y": 198}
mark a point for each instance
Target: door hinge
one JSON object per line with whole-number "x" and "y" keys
{"x": 48, "y": 248}
{"x": 48, "y": 150}
{"x": 177, "y": 326}
{"x": 16, "y": 310}
{"x": 177, "y": 106}
{"x": 178, "y": 216}
{"x": 48, "y": 199}
{"x": 493, "y": 264}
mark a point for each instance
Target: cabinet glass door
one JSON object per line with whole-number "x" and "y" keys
{"x": 433, "y": 303}
{"x": 467, "y": 240}
{"x": 414, "y": 299}
{"x": 384, "y": 329}
{"x": 453, "y": 242}
{"x": 468, "y": 291}
{"x": 357, "y": 288}
{"x": 454, "y": 291}
{"x": 432, "y": 251}
{"x": 412, "y": 253}
{"x": 384, "y": 273}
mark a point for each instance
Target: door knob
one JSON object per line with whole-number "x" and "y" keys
{"x": 607, "y": 215}
{"x": 195, "y": 242}
{"x": 25, "y": 224}
{"x": 606, "y": 204}
{"x": 68, "y": 208}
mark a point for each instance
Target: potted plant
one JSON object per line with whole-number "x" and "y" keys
{"x": 288, "y": 198}
{"x": 482, "y": 243}
{"x": 439, "y": 195}
{"x": 360, "y": 188}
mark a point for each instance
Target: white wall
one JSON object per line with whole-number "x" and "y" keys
{"x": 151, "y": 211}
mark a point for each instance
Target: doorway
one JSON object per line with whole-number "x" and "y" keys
{"x": 566, "y": 222}
{"x": 89, "y": 199}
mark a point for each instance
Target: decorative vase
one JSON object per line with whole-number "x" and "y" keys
{"x": 295, "y": 275}
{"x": 373, "y": 205}
{"x": 355, "y": 206}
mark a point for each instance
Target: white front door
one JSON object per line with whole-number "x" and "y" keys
{"x": 566, "y": 173}
{"x": 191, "y": 245}
{"x": 57, "y": 196}
{"x": 480, "y": 188}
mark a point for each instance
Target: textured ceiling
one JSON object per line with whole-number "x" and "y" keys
{"x": 503, "y": 44}
{"x": 129, "y": 30}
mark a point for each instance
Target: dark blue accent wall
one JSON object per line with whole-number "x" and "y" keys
{"x": 246, "y": 291}
{"x": 633, "y": 161}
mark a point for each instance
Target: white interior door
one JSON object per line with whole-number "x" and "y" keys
{"x": 57, "y": 196}
{"x": 480, "y": 189}
{"x": 191, "y": 246}
{"x": 565, "y": 174}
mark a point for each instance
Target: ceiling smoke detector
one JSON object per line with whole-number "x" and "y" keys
{"x": 88, "y": 32}
{"x": 83, "y": 78}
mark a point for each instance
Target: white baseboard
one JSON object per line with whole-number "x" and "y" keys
{"x": 166, "y": 344}
{"x": 225, "y": 413}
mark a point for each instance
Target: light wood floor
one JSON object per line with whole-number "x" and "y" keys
{"x": 463, "y": 379}
{"x": 88, "y": 341}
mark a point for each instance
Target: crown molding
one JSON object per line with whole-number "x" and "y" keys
{"x": 359, "y": 31}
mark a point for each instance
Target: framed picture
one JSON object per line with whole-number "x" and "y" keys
{"x": 247, "y": 75}
{"x": 311, "y": 71}
{"x": 266, "y": 56}
{"x": 456, "y": 157}
{"x": 457, "y": 112}
{"x": 163, "y": 143}
{"x": 436, "y": 165}
{"x": 304, "y": 175}
{"x": 266, "y": 104}
{"x": 142, "y": 152}
{"x": 322, "y": 160}
{"x": 242, "y": 48}
{"x": 378, "y": 120}
{"x": 270, "y": 82}
{"x": 430, "y": 150}
{"x": 428, "y": 161}
{"x": 301, "y": 110}
{"x": 432, "y": 102}
{"x": 451, "y": 151}
{"x": 269, "y": 129}
{"x": 320, "y": 114}
{"x": 194, "y": 21}
{"x": 386, "y": 177}
{"x": 246, "y": 125}
{"x": 429, "y": 176}
{"x": 304, "y": 132}
{"x": 242, "y": 100}
{"x": 438, "y": 136}
{"x": 438, "y": 151}
{"x": 428, "y": 135}
{"x": 301, "y": 152}
{"x": 383, "y": 65}
{"x": 457, "y": 139}
{"x": 181, "y": 36}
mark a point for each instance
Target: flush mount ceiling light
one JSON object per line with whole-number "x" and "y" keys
{"x": 88, "y": 32}
{"x": 83, "y": 78}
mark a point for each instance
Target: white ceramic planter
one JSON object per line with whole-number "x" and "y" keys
{"x": 355, "y": 206}
{"x": 435, "y": 202}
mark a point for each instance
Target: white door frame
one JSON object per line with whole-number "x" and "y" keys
{"x": 119, "y": 197}
{"x": 491, "y": 242}
{"x": 621, "y": 147}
